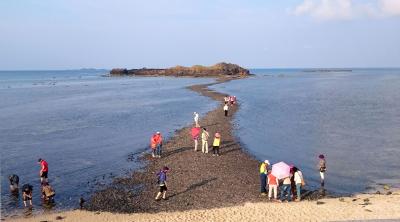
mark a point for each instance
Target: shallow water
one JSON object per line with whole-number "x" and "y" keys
{"x": 87, "y": 127}
{"x": 351, "y": 117}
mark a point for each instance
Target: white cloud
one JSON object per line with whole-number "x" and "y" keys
{"x": 347, "y": 9}
{"x": 390, "y": 7}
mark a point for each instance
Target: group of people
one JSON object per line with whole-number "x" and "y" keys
{"x": 197, "y": 133}
{"x": 290, "y": 186}
{"x": 47, "y": 191}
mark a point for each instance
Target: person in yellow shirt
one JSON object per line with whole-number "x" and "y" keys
{"x": 216, "y": 144}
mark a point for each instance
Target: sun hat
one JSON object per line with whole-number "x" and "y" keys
{"x": 266, "y": 161}
{"x": 158, "y": 133}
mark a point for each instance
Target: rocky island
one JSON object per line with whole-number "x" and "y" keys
{"x": 217, "y": 70}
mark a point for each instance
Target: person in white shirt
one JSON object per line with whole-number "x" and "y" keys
{"x": 196, "y": 118}
{"x": 204, "y": 140}
{"x": 226, "y": 109}
{"x": 299, "y": 181}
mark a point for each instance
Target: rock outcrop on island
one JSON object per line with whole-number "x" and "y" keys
{"x": 220, "y": 69}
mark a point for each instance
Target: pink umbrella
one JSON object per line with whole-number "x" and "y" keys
{"x": 195, "y": 132}
{"x": 280, "y": 170}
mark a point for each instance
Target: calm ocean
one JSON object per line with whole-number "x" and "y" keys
{"x": 353, "y": 117}
{"x": 86, "y": 126}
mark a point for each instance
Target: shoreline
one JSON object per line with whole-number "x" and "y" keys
{"x": 207, "y": 188}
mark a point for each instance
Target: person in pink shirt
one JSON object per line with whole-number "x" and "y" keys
{"x": 272, "y": 186}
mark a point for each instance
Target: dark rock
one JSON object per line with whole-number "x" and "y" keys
{"x": 378, "y": 192}
{"x": 59, "y": 218}
{"x": 320, "y": 202}
{"x": 389, "y": 193}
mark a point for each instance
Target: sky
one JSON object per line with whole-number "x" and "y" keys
{"x": 69, "y": 34}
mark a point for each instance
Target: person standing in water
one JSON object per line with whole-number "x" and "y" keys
{"x": 196, "y": 118}
{"x": 226, "y": 108}
{"x": 162, "y": 183}
{"x": 263, "y": 177}
{"x": 14, "y": 182}
{"x": 216, "y": 144}
{"x": 204, "y": 140}
{"x": 322, "y": 168}
{"x": 27, "y": 194}
{"x": 44, "y": 170}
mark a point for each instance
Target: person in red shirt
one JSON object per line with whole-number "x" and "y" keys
{"x": 44, "y": 170}
{"x": 153, "y": 145}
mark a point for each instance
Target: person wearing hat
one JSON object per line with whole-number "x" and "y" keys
{"x": 216, "y": 144}
{"x": 322, "y": 168}
{"x": 263, "y": 177}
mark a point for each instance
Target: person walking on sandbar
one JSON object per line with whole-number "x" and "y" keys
{"x": 195, "y": 133}
{"x": 216, "y": 144}
{"x": 44, "y": 170}
{"x": 226, "y": 108}
{"x": 204, "y": 140}
{"x": 263, "y": 177}
{"x": 162, "y": 183}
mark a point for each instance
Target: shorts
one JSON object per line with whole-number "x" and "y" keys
{"x": 163, "y": 188}
{"x": 44, "y": 174}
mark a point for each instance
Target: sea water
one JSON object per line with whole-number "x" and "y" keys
{"x": 350, "y": 116}
{"x": 89, "y": 128}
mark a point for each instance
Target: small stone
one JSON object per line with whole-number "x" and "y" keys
{"x": 378, "y": 192}
{"x": 59, "y": 218}
{"x": 354, "y": 199}
{"x": 366, "y": 200}
{"x": 320, "y": 202}
{"x": 368, "y": 210}
{"x": 389, "y": 193}
{"x": 341, "y": 199}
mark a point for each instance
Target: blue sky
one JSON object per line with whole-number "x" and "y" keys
{"x": 50, "y": 34}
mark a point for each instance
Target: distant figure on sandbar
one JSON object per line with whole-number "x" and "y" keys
{"x": 226, "y": 108}
{"x": 44, "y": 170}
{"x": 14, "y": 183}
{"x": 162, "y": 183}
{"x": 48, "y": 192}
{"x": 322, "y": 168}
{"x": 226, "y": 99}
{"x": 216, "y": 144}
{"x": 263, "y": 177}
{"x": 27, "y": 194}
{"x": 204, "y": 140}
{"x": 195, "y": 133}
{"x": 196, "y": 118}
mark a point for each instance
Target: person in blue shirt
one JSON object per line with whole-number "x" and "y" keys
{"x": 162, "y": 183}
